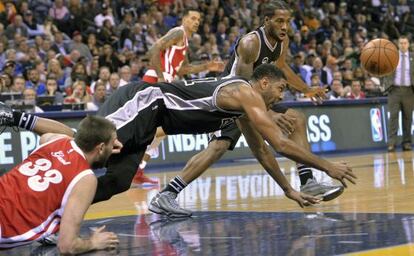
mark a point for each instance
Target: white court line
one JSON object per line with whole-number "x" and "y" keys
{"x": 104, "y": 221}
{"x": 201, "y": 237}
{"x": 350, "y": 234}
{"x": 131, "y": 235}
{"x": 350, "y": 242}
{"x": 221, "y": 237}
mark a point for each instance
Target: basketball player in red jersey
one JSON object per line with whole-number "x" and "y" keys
{"x": 52, "y": 189}
{"x": 168, "y": 58}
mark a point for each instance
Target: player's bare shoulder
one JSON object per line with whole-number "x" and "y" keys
{"x": 248, "y": 48}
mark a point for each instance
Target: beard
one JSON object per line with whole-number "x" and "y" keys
{"x": 101, "y": 160}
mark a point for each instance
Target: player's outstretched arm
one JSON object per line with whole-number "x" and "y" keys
{"x": 263, "y": 154}
{"x": 45, "y": 125}
{"x": 77, "y": 204}
{"x": 316, "y": 94}
{"x": 189, "y": 68}
{"x": 255, "y": 109}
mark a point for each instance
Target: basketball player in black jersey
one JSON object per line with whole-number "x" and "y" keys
{"x": 267, "y": 44}
{"x": 137, "y": 109}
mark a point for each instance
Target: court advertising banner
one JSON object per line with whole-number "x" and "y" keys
{"x": 330, "y": 128}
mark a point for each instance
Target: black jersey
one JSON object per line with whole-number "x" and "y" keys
{"x": 182, "y": 107}
{"x": 190, "y": 106}
{"x": 267, "y": 53}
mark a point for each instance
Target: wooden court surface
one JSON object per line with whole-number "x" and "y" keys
{"x": 239, "y": 203}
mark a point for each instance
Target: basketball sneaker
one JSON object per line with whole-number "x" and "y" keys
{"x": 6, "y": 115}
{"x": 325, "y": 191}
{"x": 164, "y": 203}
{"x": 141, "y": 178}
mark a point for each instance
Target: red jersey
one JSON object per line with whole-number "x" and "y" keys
{"x": 33, "y": 194}
{"x": 171, "y": 60}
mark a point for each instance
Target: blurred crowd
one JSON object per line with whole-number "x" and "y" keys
{"x": 78, "y": 52}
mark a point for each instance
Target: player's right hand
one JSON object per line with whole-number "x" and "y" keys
{"x": 341, "y": 171}
{"x": 104, "y": 240}
{"x": 301, "y": 198}
{"x": 317, "y": 94}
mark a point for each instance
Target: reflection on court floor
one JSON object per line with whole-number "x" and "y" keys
{"x": 239, "y": 210}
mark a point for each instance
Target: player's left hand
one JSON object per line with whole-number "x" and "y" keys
{"x": 215, "y": 66}
{"x": 317, "y": 94}
{"x": 301, "y": 198}
{"x": 117, "y": 147}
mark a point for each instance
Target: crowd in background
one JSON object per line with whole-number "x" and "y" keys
{"x": 81, "y": 51}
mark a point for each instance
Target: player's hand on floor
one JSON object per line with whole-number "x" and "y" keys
{"x": 285, "y": 122}
{"x": 341, "y": 171}
{"x": 317, "y": 94}
{"x": 101, "y": 239}
{"x": 301, "y": 198}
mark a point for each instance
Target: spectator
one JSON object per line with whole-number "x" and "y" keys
{"x": 54, "y": 68}
{"x": 60, "y": 14}
{"x": 107, "y": 34}
{"x": 40, "y": 9}
{"x": 104, "y": 74}
{"x": 98, "y": 97}
{"x": 33, "y": 81}
{"x": 78, "y": 45}
{"x": 17, "y": 27}
{"x": 59, "y": 46}
{"x": 297, "y": 65}
{"x": 104, "y": 15}
{"x": 114, "y": 82}
{"x": 18, "y": 84}
{"x": 6, "y": 82}
{"x": 318, "y": 69}
{"x": 93, "y": 44}
{"x": 33, "y": 28}
{"x": 356, "y": 91}
{"x": 52, "y": 90}
{"x": 125, "y": 74}
{"x": 109, "y": 59}
{"x": 79, "y": 72}
{"x": 29, "y": 98}
{"x": 337, "y": 90}
{"x": 79, "y": 94}
{"x": 371, "y": 89}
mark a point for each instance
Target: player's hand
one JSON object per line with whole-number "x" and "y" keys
{"x": 103, "y": 240}
{"x": 285, "y": 122}
{"x": 341, "y": 171}
{"x": 116, "y": 149}
{"x": 301, "y": 198}
{"x": 215, "y": 66}
{"x": 317, "y": 94}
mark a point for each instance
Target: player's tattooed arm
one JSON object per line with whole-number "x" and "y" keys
{"x": 247, "y": 50}
{"x": 189, "y": 68}
{"x": 173, "y": 36}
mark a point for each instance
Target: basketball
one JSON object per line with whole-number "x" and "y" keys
{"x": 379, "y": 57}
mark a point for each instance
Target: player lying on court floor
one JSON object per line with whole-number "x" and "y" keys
{"x": 267, "y": 44}
{"x": 191, "y": 107}
{"x": 52, "y": 189}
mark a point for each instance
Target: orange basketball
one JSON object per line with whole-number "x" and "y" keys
{"x": 379, "y": 57}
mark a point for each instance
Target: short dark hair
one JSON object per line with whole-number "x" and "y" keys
{"x": 270, "y": 8}
{"x": 92, "y": 131}
{"x": 188, "y": 10}
{"x": 267, "y": 70}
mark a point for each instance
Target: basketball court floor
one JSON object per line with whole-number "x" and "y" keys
{"x": 239, "y": 210}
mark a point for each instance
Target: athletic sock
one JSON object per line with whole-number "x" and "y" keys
{"x": 305, "y": 173}
{"x": 176, "y": 185}
{"x": 142, "y": 164}
{"x": 24, "y": 120}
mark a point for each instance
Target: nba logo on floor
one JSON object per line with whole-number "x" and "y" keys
{"x": 376, "y": 125}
